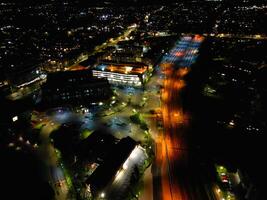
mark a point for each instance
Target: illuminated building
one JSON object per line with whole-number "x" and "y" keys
{"x": 122, "y": 74}
{"x": 112, "y": 166}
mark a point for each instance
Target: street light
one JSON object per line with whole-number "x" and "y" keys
{"x": 15, "y": 118}
{"x": 102, "y": 195}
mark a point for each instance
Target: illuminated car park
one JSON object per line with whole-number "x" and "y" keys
{"x": 121, "y": 75}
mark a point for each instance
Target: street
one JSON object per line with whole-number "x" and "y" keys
{"x": 178, "y": 180}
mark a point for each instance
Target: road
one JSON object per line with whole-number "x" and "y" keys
{"x": 177, "y": 179}
{"x": 238, "y": 36}
{"x": 48, "y": 154}
{"x": 110, "y": 42}
{"x": 148, "y": 187}
{"x": 26, "y": 90}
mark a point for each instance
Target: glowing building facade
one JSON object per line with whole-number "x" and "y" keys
{"x": 127, "y": 75}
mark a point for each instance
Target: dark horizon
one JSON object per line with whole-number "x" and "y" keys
{"x": 133, "y": 2}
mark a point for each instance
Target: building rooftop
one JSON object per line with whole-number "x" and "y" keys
{"x": 68, "y": 78}
{"x": 105, "y": 173}
{"x": 97, "y": 145}
{"x": 124, "y": 68}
